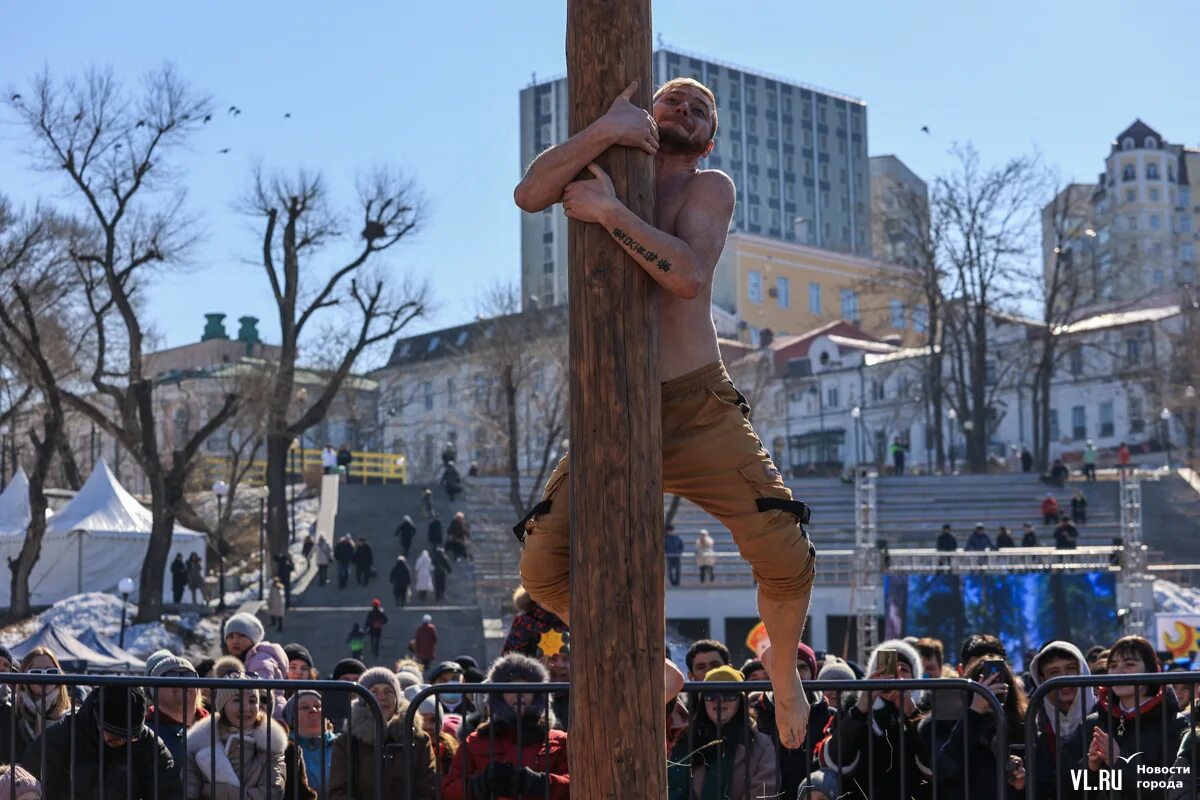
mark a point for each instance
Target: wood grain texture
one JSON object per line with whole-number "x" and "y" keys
{"x": 617, "y": 561}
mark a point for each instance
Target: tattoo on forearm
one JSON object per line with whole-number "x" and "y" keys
{"x": 636, "y": 248}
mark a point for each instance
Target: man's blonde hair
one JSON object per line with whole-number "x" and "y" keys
{"x": 676, "y": 83}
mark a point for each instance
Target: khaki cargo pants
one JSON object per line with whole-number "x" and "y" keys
{"x": 712, "y": 457}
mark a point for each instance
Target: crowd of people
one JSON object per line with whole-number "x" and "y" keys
{"x": 468, "y": 742}
{"x": 1064, "y": 530}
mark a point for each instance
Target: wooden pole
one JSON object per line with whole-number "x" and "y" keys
{"x": 617, "y": 735}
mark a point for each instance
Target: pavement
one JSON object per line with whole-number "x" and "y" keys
{"x": 322, "y": 616}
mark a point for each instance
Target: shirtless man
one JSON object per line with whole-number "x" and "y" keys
{"x": 710, "y": 453}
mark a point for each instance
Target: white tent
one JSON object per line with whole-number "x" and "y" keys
{"x": 92, "y": 542}
{"x": 14, "y": 506}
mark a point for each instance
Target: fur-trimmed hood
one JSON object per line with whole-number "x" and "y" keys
{"x": 199, "y": 736}
{"x": 907, "y": 653}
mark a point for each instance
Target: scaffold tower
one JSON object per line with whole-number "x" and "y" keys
{"x": 868, "y": 563}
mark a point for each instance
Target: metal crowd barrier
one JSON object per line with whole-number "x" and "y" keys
{"x": 150, "y": 687}
{"x": 939, "y": 753}
{"x": 1121, "y": 776}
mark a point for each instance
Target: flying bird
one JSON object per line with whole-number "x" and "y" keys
{"x": 924, "y": 129}
{"x": 141, "y": 123}
{"x": 288, "y": 115}
{"x": 207, "y": 118}
{"x": 235, "y": 111}
{"x": 77, "y": 117}
{"x": 16, "y": 98}
{"x": 223, "y": 150}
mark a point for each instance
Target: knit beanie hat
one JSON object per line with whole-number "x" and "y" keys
{"x": 348, "y": 666}
{"x": 291, "y": 709}
{"x": 442, "y": 669}
{"x": 837, "y": 671}
{"x": 298, "y": 652}
{"x": 724, "y": 674}
{"x": 120, "y": 710}
{"x": 406, "y": 678}
{"x": 806, "y": 654}
{"x": 17, "y": 781}
{"x": 516, "y": 668}
{"x": 377, "y": 675}
{"x": 247, "y": 625}
{"x": 819, "y": 780}
{"x": 154, "y": 658}
{"x": 170, "y": 663}
{"x": 751, "y": 665}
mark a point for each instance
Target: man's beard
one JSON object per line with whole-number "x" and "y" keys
{"x": 674, "y": 143}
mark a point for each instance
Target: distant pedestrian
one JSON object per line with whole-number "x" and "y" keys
{"x": 979, "y": 540}
{"x": 1123, "y": 457}
{"x": 277, "y": 604}
{"x": 343, "y": 554}
{"x": 376, "y": 619}
{"x": 407, "y": 531}
{"x": 307, "y": 548}
{"x": 427, "y": 503}
{"x": 1029, "y": 538}
{"x": 1050, "y": 509}
{"x": 424, "y": 569}
{"x": 1089, "y": 461}
{"x": 364, "y": 561}
{"x": 357, "y": 641}
{"x": 458, "y": 537}
{"x": 953, "y": 453}
{"x": 344, "y": 459}
{"x": 401, "y": 579}
{"x": 898, "y": 455}
{"x": 1066, "y": 535}
{"x": 434, "y": 532}
{"x": 706, "y": 556}
{"x": 283, "y": 571}
{"x": 441, "y": 568}
{"x": 324, "y": 559}
{"x": 179, "y": 571}
{"x": 1079, "y": 508}
{"x": 1026, "y": 460}
{"x": 1005, "y": 538}
{"x": 451, "y": 481}
{"x": 195, "y": 577}
{"x": 424, "y": 641}
{"x": 674, "y": 549}
{"x": 329, "y": 460}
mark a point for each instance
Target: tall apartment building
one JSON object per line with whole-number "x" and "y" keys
{"x": 1134, "y": 232}
{"x": 899, "y": 211}
{"x": 797, "y": 154}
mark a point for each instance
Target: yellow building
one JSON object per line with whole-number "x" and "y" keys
{"x": 788, "y": 288}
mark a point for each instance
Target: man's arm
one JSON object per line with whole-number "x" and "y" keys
{"x": 682, "y": 264}
{"x": 623, "y": 124}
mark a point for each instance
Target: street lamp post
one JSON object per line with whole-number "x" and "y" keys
{"x": 3, "y": 456}
{"x": 293, "y": 450}
{"x": 856, "y": 414}
{"x": 1165, "y": 416}
{"x": 262, "y": 545}
{"x": 125, "y": 587}
{"x": 952, "y": 415}
{"x": 968, "y": 426}
{"x": 220, "y": 489}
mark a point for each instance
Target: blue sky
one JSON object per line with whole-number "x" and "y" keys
{"x": 432, "y": 88}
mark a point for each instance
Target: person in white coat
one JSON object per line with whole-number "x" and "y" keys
{"x": 706, "y": 555}
{"x": 324, "y": 559}
{"x": 424, "y": 570}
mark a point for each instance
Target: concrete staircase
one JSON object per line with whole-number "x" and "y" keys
{"x": 322, "y": 616}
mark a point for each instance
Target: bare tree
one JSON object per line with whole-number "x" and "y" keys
{"x": 523, "y": 356}
{"x": 299, "y": 227}
{"x": 35, "y": 294}
{"x": 988, "y": 217}
{"x": 114, "y": 148}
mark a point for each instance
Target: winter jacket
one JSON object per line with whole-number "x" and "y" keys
{"x": 706, "y": 552}
{"x": 762, "y": 769}
{"x": 276, "y": 606}
{"x": 400, "y": 578}
{"x": 343, "y": 552}
{"x": 324, "y": 553}
{"x": 540, "y": 751}
{"x": 1052, "y": 724}
{"x": 376, "y": 619}
{"x": 296, "y": 785}
{"x": 527, "y": 629}
{"x": 314, "y": 753}
{"x": 425, "y": 641}
{"x": 793, "y": 764}
{"x": 1157, "y": 714}
{"x": 434, "y": 532}
{"x": 173, "y": 734}
{"x": 352, "y": 770}
{"x": 870, "y": 759}
{"x": 406, "y": 530}
{"x": 125, "y": 774}
{"x": 966, "y": 762}
{"x": 946, "y": 542}
{"x": 424, "y": 569}
{"x": 979, "y": 540}
{"x": 214, "y": 774}
{"x": 364, "y": 556}
{"x": 179, "y": 574}
{"x": 268, "y": 661}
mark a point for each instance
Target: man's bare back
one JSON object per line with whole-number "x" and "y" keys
{"x": 693, "y": 209}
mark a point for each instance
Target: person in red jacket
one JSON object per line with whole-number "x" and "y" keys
{"x": 1050, "y": 510}
{"x": 424, "y": 642}
{"x": 491, "y": 763}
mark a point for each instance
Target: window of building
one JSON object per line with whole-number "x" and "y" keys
{"x": 1154, "y": 222}
{"x": 1107, "y": 428}
{"x": 548, "y": 252}
{"x": 753, "y": 158}
{"x": 1185, "y": 223}
{"x": 753, "y": 182}
{"x": 1128, "y": 172}
{"x": 831, "y": 397}
{"x": 775, "y": 220}
{"x": 787, "y": 105}
{"x": 1154, "y": 195}
{"x": 783, "y": 292}
{"x": 896, "y": 314}
{"x": 1187, "y": 252}
{"x": 1151, "y": 143}
{"x": 1131, "y": 222}
{"x": 1152, "y": 171}
{"x": 772, "y": 159}
{"x": 789, "y": 164}
{"x": 749, "y": 95}
{"x": 735, "y": 120}
{"x": 1133, "y": 351}
{"x": 449, "y": 392}
{"x": 546, "y": 107}
{"x": 754, "y": 289}
{"x": 433, "y": 344}
{"x": 920, "y": 318}
{"x": 427, "y": 388}
{"x": 1078, "y": 422}
{"x": 1054, "y": 432}
{"x": 771, "y": 95}
{"x": 1137, "y": 422}
{"x": 789, "y": 193}
{"x": 773, "y": 189}
{"x": 1130, "y": 195}
{"x": 1127, "y": 143}
{"x": 754, "y": 215}
{"x": 752, "y": 123}
{"x": 1185, "y": 196}
{"x": 1159, "y": 277}
{"x": 814, "y": 297}
{"x": 1075, "y": 361}
{"x": 737, "y": 151}
{"x": 849, "y": 305}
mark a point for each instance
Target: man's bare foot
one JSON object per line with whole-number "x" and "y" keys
{"x": 791, "y": 703}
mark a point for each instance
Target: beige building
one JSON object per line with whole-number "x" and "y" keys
{"x": 899, "y": 211}
{"x": 786, "y": 288}
{"x": 1134, "y": 232}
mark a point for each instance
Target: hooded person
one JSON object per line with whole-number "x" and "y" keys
{"x": 124, "y": 757}
{"x": 1134, "y": 726}
{"x": 722, "y": 755}
{"x": 793, "y": 763}
{"x": 407, "y": 531}
{"x": 517, "y": 752}
{"x": 237, "y": 751}
{"x": 303, "y": 714}
{"x": 245, "y": 638}
{"x": 873, "y": 747}
{"x": 357, "y": 751}
{"x": 1062, "y": 710}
